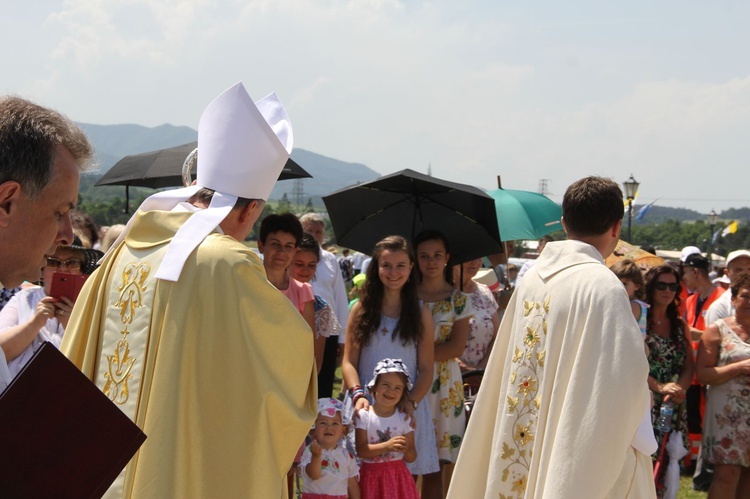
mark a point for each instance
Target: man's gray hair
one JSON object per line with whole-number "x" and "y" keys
{"x": 29, "y": 135}
{"x": 314, "y": 218}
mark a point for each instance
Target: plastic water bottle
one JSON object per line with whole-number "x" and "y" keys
{"x": 665, "y": 417}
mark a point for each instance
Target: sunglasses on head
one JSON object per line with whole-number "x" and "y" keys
{"x": 70, "y": 263}
{"x": 661, "y": 286}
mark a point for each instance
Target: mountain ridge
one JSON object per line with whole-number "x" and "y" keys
{"x": 113, "y": 142}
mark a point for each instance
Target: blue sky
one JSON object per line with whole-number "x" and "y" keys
{"x": 525, "y": 90}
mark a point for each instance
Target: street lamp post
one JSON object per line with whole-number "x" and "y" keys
{"x": 712, "y": 219}
{"x": 631, "y": 188}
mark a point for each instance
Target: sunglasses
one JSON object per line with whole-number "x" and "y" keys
{"x": 71, "y": 263}
{"x": 661, "y": 286}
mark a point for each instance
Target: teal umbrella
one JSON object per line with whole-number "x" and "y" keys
{"x": 524, "y": 214}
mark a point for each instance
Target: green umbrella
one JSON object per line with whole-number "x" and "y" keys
{"x": 524, "y": 214}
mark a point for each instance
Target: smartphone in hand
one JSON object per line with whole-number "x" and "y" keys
{"x": 67, "y": 285}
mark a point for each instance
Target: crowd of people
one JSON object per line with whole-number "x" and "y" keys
{"x": 227, "y": 360}
{"x": 686, "y": 348}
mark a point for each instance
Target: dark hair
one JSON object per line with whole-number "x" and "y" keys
{"x": 591, "y": 206}
{"x": 434, "y": 235}
{"x": 367, "y": 322}
{"x": 84, "y": 221}
{"x": 286, "y": 222}
{"x": 627, "y": 269}
{"x": 308, "y": 243}
{"x": 673, "y": 314}
{"x": 29, "y": 136}
{"x": 742, "y": 281}
{"x": 205, "y": 195}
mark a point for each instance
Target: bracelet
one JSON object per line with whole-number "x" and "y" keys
{"x": 357, "y": 393}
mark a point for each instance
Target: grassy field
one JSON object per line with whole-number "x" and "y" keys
{"x": 686, "y": 490}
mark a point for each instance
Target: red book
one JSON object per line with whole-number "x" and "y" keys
{"x": 60, "y": 436}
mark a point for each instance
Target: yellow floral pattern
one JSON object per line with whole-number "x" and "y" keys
{"x": 446, "y": 397}
{"x": 120, "y": 363}
{"x": 524, "y": 399}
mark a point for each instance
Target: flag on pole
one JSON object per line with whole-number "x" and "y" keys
{"x": 729, "y": 229}
{"x": 716, "y": 236}
{"x": 625, "y": 202}
{"x": 644, "y": 209}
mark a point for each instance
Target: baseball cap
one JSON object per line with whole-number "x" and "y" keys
{"x": 687, "y": 251}
{"x": 737, "y": 254}
{"x": 696, "y": 260}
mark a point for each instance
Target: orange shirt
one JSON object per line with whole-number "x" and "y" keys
{"x": 696, "y": 318}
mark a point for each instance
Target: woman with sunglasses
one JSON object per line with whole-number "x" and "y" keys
{"x": 32, "y": 316}
{"x": 671, "y": 363}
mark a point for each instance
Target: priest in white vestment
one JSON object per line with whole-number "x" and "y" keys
{"x": 563, "y": 408}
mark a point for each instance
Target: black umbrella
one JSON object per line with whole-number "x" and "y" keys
{"x": 163, "y": 168}
{"x": 408, "y": 202}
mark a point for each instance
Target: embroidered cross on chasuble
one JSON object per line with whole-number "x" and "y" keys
{"x": 126, "y": 326}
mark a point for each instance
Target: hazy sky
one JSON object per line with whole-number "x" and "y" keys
{"x": 535, "y": 90}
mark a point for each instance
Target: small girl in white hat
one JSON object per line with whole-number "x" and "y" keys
{"x": 328, "y": 470}
{"x": 384, "y": 437}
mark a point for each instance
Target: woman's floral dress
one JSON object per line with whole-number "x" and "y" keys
{"x": 446, "y": 397}
{"x": 665, "y": 361}
{"x": 726, "y": 427}
{"x": 481, "y": 329}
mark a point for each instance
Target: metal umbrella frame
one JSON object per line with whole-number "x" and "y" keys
{"x": 406, "y": 203}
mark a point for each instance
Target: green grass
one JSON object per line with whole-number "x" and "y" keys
{"x": 686, "y": 489}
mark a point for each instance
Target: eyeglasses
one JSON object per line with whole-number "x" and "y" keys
{"x": 661, "y": 286}
{"x": 70, "y": 264}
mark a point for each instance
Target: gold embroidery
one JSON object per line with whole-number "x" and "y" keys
{"x": 131, "y": 290}
{"x": 116, "y": 387}
{"x": 120, "y": 363}
{"x": 523, "y": 406}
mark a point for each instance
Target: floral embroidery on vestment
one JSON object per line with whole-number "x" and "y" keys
{"x": 523, "y": 399}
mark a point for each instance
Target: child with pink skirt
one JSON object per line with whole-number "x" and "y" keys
{"x": 384, "y": 437}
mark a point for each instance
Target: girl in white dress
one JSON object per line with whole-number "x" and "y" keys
{"x": 328, "y": 470}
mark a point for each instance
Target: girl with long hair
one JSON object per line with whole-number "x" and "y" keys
{"x": 389, "y": 322}
{"x": 451, "y": 311}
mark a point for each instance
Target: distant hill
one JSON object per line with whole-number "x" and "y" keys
{"x": 113, "y": 142}
{"x": 660, "y": 214}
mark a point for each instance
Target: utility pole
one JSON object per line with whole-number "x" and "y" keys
{"x": 543, "y": 190}
{"x": 298, "y": 194}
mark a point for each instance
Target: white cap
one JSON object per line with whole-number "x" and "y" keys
{"x": 488, "y": 277}
{"x": 687, "y": 251}
{"x": 723, "y": 279}
{"x": 243, "y": 148}
{"x": 737, "y": 254}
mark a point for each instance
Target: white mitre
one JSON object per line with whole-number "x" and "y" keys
{"x": 243, "y": 149}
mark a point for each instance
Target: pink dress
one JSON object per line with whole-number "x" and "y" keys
{"x": 299, "y": 293}
{"x": 385, "y": 476}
